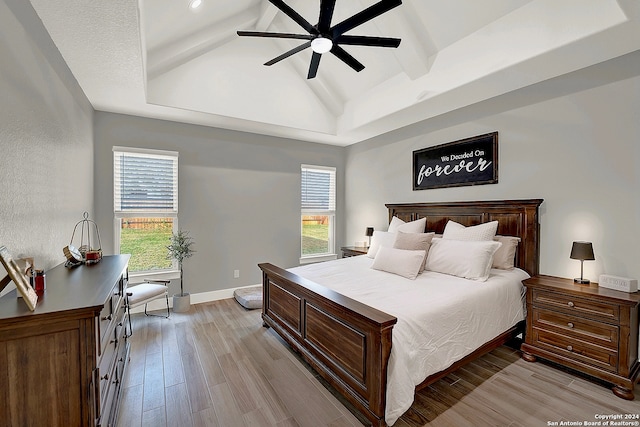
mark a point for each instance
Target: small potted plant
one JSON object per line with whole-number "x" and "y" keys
{"x": 179, "y": 250}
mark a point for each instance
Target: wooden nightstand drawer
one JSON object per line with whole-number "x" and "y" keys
{"x": 584, "y": 327}
{"x": 576, "y": 349}
{"x": 577, "y": 306}
{"x": 599, "y": 333}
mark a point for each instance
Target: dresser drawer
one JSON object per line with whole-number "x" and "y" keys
{"x": 577, "y": 305}
{"x": 602, "y": 334}
{"x": 576, "y": 349}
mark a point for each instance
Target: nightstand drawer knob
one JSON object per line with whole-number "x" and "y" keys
{"x": 570, "y": 348}
{"x": 570, "y": 325}
{"x": 570, "y": 304}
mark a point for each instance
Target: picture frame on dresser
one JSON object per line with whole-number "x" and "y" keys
{"x": 19, "y": 279}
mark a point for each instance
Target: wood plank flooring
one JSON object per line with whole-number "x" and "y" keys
{"x": 217, "y": 366}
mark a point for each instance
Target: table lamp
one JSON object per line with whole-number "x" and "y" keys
{"x": 584, "y": 252}
{"x": 369, "y": 234}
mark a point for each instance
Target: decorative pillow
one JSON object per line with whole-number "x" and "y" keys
{"x": 402, "y": 262}
{"x": 468, "y": 259}
{"x": 414, "y": 241}
{"x": 379, "y": 239}
{"x": 455, "y": 231}
{"x": 505, "y": 256}
{"x": 416, "y": 226}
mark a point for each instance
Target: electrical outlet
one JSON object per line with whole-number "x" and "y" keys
{"x": 236, "y": 274}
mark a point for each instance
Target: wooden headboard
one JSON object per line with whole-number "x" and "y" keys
{"x": 515, "y": 218}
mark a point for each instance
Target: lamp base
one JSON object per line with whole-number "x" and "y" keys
{"x": 581, "y": 281}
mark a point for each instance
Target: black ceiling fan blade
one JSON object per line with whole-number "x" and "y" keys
{"x": 295, "y": 16}
{"x": 326, "y": 13}
{"x": 313, "y": 67}
{"x": 368, "y": 41}
{"x": 289, "y": 53}
{"x": 275, "y": 35}
{"x": 345, "y": 57}
{"x": 364, "y": 16}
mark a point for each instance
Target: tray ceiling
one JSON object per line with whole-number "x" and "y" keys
{"x": 160, "y": 59}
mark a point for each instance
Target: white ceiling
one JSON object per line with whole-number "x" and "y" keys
{"x": 158, "y": 58}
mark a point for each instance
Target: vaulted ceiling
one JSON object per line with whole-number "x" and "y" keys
{"x": 161, "y": 59}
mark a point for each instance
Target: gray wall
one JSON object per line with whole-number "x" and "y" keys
{"x": 46, "y": 141}
{"x": 239, "y": 194}
{"x": 572, "y": 141}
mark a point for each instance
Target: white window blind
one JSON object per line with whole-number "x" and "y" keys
{"x": 318, "y": 189}
{"x": 145, "y": 181}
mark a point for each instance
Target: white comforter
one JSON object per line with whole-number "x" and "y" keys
{"x": 441, "y": 318}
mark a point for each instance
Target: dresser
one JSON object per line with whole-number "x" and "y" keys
{"x": 63, "y": 364}
{"x": 590, "y": 329}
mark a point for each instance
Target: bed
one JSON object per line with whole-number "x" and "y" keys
{"x": 348, "y": 342}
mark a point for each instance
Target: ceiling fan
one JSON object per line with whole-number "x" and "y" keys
{"x": 323, "y": 37}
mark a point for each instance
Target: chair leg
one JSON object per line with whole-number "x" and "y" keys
{"x": 158, "y": 315}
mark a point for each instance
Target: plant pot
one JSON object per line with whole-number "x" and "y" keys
{"x": 181, "y": 303}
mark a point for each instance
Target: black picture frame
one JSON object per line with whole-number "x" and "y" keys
{"x": 469, "y": 161}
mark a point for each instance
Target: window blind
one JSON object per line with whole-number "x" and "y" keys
{"x": 318, "y": 189}
{"x": 145, "y": 181}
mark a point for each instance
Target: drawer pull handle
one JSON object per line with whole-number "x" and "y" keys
{"x": 107, "y": 317}
{"x": 106, "y": 377}
{"x": 570, "y": 304}
{"x": 570, "y": 325}
{"x": 570, "y": 348}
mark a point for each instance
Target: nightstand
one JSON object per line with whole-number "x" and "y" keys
{"x": 349, "y": 251}
{"x": 584, "y": 327}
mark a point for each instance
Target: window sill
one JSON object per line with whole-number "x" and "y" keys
{"x": 318, "y": 258}
{"x": 139, "y": 276}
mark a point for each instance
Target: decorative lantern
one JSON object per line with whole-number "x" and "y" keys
{"x": 86, "y": 252}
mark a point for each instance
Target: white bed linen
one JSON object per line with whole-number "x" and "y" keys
{"x": 441, "y": 318}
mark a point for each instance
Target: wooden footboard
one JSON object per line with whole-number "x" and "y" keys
{"x": 345, "y": 341}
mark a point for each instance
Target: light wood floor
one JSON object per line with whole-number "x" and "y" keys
{"x": 217, "y": 366}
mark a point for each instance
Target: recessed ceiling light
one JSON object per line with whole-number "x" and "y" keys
{"x": 321, "y": 45}
{"x": 194, "y": 4}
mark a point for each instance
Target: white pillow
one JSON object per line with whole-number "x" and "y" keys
{"x": 504, "y": 258}
{"x": 414, "y": 242}
{"x": 379, "y": 239}
{"x": 455, "y": 231}
{"x": 416, "y": 226}
{"x": 402, "y": 262}
{"x": 394, "y": 224}
{"x": 468, "y": 259}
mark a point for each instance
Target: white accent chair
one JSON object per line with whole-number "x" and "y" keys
{"x": 146, "y": 292}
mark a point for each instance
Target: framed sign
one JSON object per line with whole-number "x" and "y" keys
{"x": 470, "y": 161}
{"x": 19, "y": 279}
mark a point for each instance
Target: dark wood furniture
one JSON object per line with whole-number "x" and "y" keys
{"x": 62, "y": 364}
{"x": 349, "y": 251}
{"x": 348, "y": 343}
{"x": 584, "y": 327}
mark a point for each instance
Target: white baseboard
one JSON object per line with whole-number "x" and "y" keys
{"x": 198, "y": 298}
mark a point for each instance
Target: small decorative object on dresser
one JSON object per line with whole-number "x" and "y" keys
{"x": 87, "y": 252}
{"x": 19, "y": 279}
{"x": 349, "y": 251}
{"x": 588, "y": 328}
{"x": 624, "y": 284}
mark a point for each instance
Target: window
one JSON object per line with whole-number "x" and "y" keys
{"x": 145, "y": 203}
{"x": 318, "y": 196}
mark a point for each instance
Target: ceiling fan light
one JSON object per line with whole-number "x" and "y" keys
{"x": 194, "y": 4}
{"x": 321, "y": 45}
